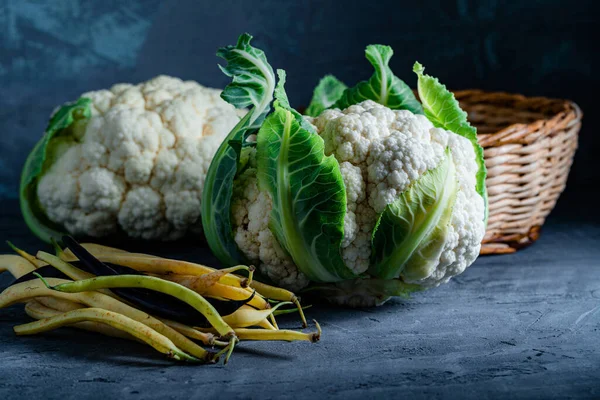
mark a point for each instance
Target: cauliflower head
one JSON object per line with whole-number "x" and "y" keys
{"x": 375, "y": 194}
{"x": 136, "y": 163}
{"x": 381, "y": 154}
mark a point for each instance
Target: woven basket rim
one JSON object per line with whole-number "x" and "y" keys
{"x": 556, "y": 113}
{"x": 564, "y": 106}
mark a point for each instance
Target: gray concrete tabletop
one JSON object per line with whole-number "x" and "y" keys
{"x": 525, "y": 325}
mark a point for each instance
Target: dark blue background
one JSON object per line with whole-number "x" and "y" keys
{"x": 518, "y": 326}
{"x": 52, "y": 51}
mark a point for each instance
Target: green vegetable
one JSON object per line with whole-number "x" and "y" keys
{"x": 309, "y": 198}
{"x": 253, "y": 82}
{"x": 442, "y": 109}
{"x": 152, "y": 283}
{"x": 62, "y": 130}
{"x": 383, "y": 87}
{"x": 410, "y": 233}
{"x": 69, "y": 270}
{"x": 286, "y": 335}
{"x": 328, "y": 91}
{"x": 281, "y": 101}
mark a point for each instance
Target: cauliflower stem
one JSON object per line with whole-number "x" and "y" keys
{"x": 362, "y": 292}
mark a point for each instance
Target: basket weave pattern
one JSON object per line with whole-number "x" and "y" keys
{"x": 529, "y": 144}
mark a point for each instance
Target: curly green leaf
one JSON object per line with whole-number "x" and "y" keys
{"x": 253, "y": 82}
{"x": 328, "y": 91}
{"x": 281, "y": 100}
{"x": 308, "y": 193}
{"x": 443, "y": 110}
{"x": 383, "y": 87}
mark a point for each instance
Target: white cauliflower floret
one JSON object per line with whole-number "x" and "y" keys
{"x": 142, "y": 214}
{"x": 356, "y": 246}
{"x": 348, "y": 134}
{"x": 381, "y": 153}
{"x": 139, "y": 164}
{"x": 398, "y": 160}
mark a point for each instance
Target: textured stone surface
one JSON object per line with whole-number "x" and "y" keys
{"x": 521, "y": 326}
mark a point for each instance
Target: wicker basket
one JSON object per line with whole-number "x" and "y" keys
{"x": 529, "y": 144}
